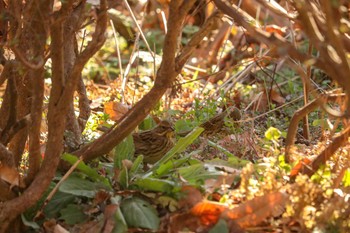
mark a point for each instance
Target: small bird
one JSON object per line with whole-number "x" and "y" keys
{"x": 155, "y": 143}
{"x": 217, "y": 123}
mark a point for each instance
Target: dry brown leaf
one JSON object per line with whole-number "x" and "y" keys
{"x": 109, "y": 221}
{"x": 178, "y": 222}
{"x": 59, "y": 229}
{"x": 9, "y": 175}
{"x": 262, "y": 102}
{"x": 253, "y": 212}
{"x": 49, "y": 225}
{"x": 191, "y": 196}
{"x": 100, "y": 197}
{"x": 276, "y": 97}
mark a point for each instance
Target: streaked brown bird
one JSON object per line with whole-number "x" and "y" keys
{"x": 217, "y": 123}
{"x": 155, "y": 143}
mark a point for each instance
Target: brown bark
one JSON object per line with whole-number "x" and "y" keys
{"x": 166, "y": 75}
{"x": 84, "y": 105}
{"x": 63, "y": 86}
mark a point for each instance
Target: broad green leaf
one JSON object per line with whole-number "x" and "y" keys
{"x": 82, "y": 167}
{"x": 198, "y": 173}
{"x": 124, "y": 150}
{"x": 182, "y": 125}
{"x": 73, "y": 214}
{"x": 58, "y": 202}
{"x": 139, "y": 213}
{"x": 81, "y": 187}
{"x": 153, "y": 184}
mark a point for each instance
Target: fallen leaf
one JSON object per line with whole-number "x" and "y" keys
{"x": 208, "y": 212}
{"x": 191, "y": 196}
{"x": 115, "y": 110}
{"x": 10, "y": 175}
{"x": 253, "y": 212}
{"x": 299, "y": 167}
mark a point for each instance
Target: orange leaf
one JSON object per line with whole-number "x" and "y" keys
{"x": 208, "y": 212}
{"x": 9, "y": 175}
{"x": 299, "y": 167}
{"x": 115, "y": 110}
{"x": 275, "y": 29}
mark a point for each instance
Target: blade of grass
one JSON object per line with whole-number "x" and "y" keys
{"x": 180, "y": 146}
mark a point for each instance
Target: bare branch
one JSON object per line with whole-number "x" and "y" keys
{"x": 187, "y": 51}
{"x": 165, "y": 77}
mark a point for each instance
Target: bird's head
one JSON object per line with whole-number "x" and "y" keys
{"x": 165, "y": 128}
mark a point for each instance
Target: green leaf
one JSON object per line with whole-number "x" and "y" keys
{"x": 272, "y": 134}
{"x": 183, "y": 125}
{"x": 123, "y": 177}
{"x": 58, "y": 202}
{"x": 153, "y": 184}
{"x": 73, "y": 214}
{"x": 139, "y": 213}
{"x": 232, "y": 162}
{"x": 124, "y": 150}
{"x": 147, "y": 123}
{"x": 136, "y": 165}
{"x": 32, "y": 211}
{"x": 82, "y": 167}
{"x": 198, "y": 172}
{"x": 220, "y": 227}
{"x": 282, "y": 163}
{"x": 169, "y": 166}
{"x": 180, "y": 146}
{"x": 188, "y": 29}
{"x": 120, "y": 223}
{"x": 81, "y": 187}
{"x": 28, "y": 223}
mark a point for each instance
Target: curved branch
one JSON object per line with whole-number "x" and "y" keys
{"x": 186, "y": 52}
{"x": 165, "y": 77}
{"x": 282, "y": 45}
{"x": 6, "y": 156}
{"x": 12, "y": 92}
{"x": 25, "y": 62}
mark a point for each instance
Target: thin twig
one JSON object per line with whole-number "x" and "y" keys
{"x": 138, "y": 26}
{"x": 118, "y": 54}
{"x": 55, "y": 189}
